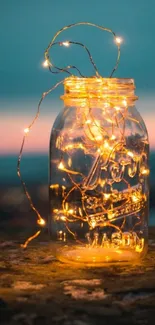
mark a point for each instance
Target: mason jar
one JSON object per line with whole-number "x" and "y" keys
{"x": 98, "y": 183}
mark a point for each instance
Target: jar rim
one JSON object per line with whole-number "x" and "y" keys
{"x": 99, "y": 88}
{"x": 75, "y": 84}
{"x": 111, "y": 80}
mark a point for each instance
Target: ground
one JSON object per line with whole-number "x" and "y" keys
{"x": 37, "y": 289}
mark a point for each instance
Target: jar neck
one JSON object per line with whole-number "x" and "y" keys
{"x": 98, "y": 91}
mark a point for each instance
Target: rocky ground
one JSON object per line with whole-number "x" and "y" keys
{"x": 37, "y": 289}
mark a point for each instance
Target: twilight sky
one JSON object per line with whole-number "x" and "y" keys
{"x": 26, "y": 28}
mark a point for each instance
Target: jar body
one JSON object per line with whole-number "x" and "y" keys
{"x": 98, "y": 188}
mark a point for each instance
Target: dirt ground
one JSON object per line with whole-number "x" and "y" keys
{"x": 37, "y": 289}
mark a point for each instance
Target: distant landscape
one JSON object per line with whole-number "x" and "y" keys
{"x": 14, "y": 207}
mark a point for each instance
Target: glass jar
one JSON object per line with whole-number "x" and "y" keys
{"x": 99, "y": 172}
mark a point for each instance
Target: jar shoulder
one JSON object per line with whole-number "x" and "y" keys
{"x": 138, "y": 117}
{"x": 73, "y": 117}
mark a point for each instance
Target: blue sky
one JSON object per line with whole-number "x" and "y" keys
{"x": 26, "y": 28}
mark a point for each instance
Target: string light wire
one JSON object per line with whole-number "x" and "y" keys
{"x": 47, "y": 63}
{"x": 71, "y": 66}
{"x": 40, "y": 220}
{"x": 118, "y": 41}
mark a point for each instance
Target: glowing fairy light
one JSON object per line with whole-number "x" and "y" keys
{"x": 66, "y": 44}
{"x": 124, "y": 102}
{"x": 70, "y": 211}
{"x": 93, "y": 224}
{"x": 106, "y": 145}
{"x": 118, "y": 40}
{"x": 27, "y": 130}
{"x": 111, "y": 215}
{"x": 130, "y": 154}
{"x": 88, "y": 121}
{"x": 109, "y": 120}
{"x": 134, "y": 198}
{"x": 145, "y": 171}
{"x": 45, "y": 64}
{"x": 61, "y": 166}
{"x": 117, "y": 108}
{"x": 113, "y": 137}
{"x": 41, "y": 222}
{"x": 107, "y": 196}
{"x": 98, "y": 138}
{"x": 63, "y": 218}
{"x": 140, "y": 246}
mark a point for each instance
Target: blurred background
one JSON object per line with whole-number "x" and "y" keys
{"x": 26, "y": 28}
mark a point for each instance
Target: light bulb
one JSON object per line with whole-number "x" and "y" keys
{"x": 130, "y": 154}
{"x": 70, "y": 211}
{"x": 45, "y": 64}
{"x": 106, "y": 145}
{"x": 88, "y": 121}
{"x": 41, "y": 222}
{"x": 98, "y": 138}
{"x": 118, "y": 40}
{"x": 134, "y": 198}
{"x": 61, "y": 165}
{"x": 66, "y": 43}
{"x": 124, "y": 102}
{"x": 145, "y": 171}
{"x": 117, "y": 108}
{"x": 26, "y": 130}
{"x": 106, "y": 196}
{"x": 113, "y": 137}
